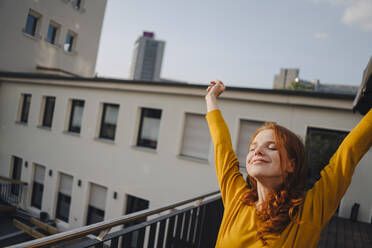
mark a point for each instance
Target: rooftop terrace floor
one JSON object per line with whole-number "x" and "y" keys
{"x": 342, "y": 232}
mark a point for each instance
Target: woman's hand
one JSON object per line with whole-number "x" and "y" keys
{"x": 215, "y": 90}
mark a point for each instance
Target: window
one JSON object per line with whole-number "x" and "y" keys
{"x": 246, "y": 130}
{"x": 64, "y": 197}
{"x": 321, "y": 144}
{"x": 16, "y": 174}
{"x": 97, "y": 202}
{"x": 52, "y": 33}
{"x": 196, "y": 137}
{"x": 149, "y": 128}
{"x": 38, "y": 186}
{"x": 135, "y": 204}
{"x": 108, "y": 121}
{"x": 76, "y": 4}
{"x": 26, "y": 102}
{"x": 49, "y": 103}
{"x": 31, "y": 23}
{"x": 76, "y": 116}
{"x": 70, "y": 42}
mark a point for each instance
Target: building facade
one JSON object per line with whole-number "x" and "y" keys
{"x": 91, "y": 149}
{"x": 147, "y": 58}
{"x": 57, "y": 36}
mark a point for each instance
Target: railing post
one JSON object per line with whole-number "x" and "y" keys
{"x": 200, "y": 226}
{"x": 170, "y": 232}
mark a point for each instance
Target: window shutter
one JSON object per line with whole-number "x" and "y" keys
{"x": 39, "y": 174}
{"x": 65, "y": 184}
{"x": 98, "y": 196}
{"x": 196, "y": 137}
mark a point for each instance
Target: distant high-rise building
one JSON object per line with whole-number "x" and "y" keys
{"x": 285, "y": 78}
{"x": 147, "y": 58}
{"x": 59, "y": 37}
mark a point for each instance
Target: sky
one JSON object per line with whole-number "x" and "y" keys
{"x": 242, "y": 42}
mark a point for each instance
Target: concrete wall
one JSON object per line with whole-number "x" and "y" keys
{"x": 160, "y": 176}
{"x": 22, "y": 52}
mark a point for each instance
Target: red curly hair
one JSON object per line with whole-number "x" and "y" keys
{"x": 283, "y": 203}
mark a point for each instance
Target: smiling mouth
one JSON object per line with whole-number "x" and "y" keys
{"x": 259, "y": 161}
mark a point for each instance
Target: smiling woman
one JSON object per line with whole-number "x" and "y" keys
{"x": 272, "y": 208}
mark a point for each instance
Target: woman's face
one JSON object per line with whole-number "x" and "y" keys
{"x": 263, "y": 159}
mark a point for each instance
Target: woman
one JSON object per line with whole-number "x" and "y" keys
{"x": 275, "y": 211}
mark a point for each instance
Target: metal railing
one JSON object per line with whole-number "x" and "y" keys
{"x": 196, "y": 224}
{"x": 11, "y": 191}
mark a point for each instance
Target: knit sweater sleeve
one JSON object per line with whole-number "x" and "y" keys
{"x": 230, "y": 179}
{"x": 322, "y": 200}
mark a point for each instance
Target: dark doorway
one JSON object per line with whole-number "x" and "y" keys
{"x": 135, "y": 239}
{"x": 16, "y": 174}
{"x": 321, "y": 144}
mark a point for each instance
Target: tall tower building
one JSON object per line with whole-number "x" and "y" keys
{"x": 147, "y": 58}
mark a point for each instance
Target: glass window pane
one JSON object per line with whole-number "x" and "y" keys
{"x": 51, "y": 36}
{"x": 63, "y": 207}
{"x": 76, "y": 116}
{"x": 111, "y": 114}
{"x": 25, "y": 107}
{"x": 68, "y": 43}
{"x": 109, "y": 120}
{"x": 37, "y": 195}
{"x": 16, "y": 174}
{"x": 48, "y": 111}
{"x": 31, "y": 25}
{"x": 77, "y": 4}
{"x": 94, "y": 215}
{"x": 149, "y": 128}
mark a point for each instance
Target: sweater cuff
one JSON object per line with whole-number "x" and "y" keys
{"x": 214, "y": 116}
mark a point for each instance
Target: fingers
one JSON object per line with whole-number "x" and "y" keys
{"x": 218, "y": 84}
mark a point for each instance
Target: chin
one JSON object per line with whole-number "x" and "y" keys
{"x": 255, "y": 173}
{"x": 259, "y": 173}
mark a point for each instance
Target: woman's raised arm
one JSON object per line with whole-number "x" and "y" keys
{"x": 322, "y": 200}
{"x": 229, "y": 177}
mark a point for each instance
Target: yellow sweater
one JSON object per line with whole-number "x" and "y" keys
{"x": 238, "y": 227}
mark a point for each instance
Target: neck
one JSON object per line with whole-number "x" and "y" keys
{"x": 263, "y": 190}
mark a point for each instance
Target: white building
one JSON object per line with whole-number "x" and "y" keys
{"x": 147, "y": 58}
{"x": 89, "y": 148}
{"x": 52, "y": 36}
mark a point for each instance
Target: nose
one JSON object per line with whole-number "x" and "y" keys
{"x": 258, "y": 150}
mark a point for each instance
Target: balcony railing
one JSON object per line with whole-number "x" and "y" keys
{"x": 11, "y": 191}
{"x": 190, "y": 223}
